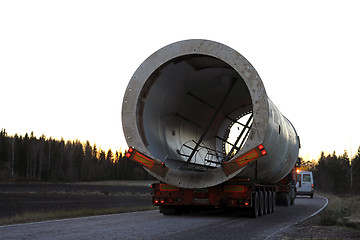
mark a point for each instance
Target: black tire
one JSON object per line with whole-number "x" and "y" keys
{"x": 261, "y": 203}
{"x": 274, "y": 201}
{"x": 292, "y": 196}
{"x": 255, "y": 204}
{"x": 270, "y": 201}
{"x": 286, "y": 199}
{"x": 266, "y": 202}
{"x": 312, "y": 196}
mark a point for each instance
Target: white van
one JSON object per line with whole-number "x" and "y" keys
{"x": 305, "y": 183}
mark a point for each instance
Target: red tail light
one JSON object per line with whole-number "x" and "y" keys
{"x": 262, "y": 149}
{"x": 128, "y": 154}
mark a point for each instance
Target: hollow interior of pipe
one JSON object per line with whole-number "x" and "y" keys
{"x": 194, "y": 112}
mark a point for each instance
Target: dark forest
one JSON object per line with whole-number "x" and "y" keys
{"x": 28, "y": 158}
{"x": 336, "y": 174}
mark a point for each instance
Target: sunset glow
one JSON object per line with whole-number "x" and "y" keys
{"x": 64, "y": 66}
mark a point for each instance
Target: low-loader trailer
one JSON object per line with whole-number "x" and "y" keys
{"x": 241, "y": 195}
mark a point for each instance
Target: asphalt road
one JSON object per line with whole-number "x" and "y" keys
{"x": 153, "y": 225}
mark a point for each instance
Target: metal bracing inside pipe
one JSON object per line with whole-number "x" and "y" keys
{"x": 242, "y": 136}
{"x": 211, "y": 121}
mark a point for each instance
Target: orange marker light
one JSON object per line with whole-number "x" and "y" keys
{"x": 127, "y": 155}
{"x": 130, "y": 150}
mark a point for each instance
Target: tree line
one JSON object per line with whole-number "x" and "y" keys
{"x": 336, "y": 174}
{"x": 46, "y": 159}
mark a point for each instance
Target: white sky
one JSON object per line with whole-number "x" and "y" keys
{"x": 64, "y": 65}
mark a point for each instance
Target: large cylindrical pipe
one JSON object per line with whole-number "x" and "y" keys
{"x": 198, "y": 104}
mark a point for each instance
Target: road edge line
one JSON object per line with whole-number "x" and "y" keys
{"x": 310, "y": 216}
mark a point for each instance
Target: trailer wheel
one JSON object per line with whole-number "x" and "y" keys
{"x": 287, "y": 199}
{"x": 255, "y": 204}
{"x": 269, "y": 201}
{"x": 283, "y": 199}
{"x": 292, "y": 196}
{"x": 273, "y": 193}
{"x": 266, "y": 202}
{"x": 261, "y": 203}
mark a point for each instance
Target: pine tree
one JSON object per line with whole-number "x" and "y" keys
{"x": 355, "y": 164}
{"x": 332, "y": 173}
{"x": 5, "y": 163}
{"x": 86, "y": 166}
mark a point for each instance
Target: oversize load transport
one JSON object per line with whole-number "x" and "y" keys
{"x": 197, "y": 117}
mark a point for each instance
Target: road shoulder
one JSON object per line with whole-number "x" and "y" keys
{"x": 306, "y": 230}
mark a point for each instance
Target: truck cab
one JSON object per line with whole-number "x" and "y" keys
{"x": 305, "y": 184}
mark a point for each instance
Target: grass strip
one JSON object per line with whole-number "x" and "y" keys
{"x": 27, "y": 217}
{"x": 341, "y": 211}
